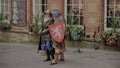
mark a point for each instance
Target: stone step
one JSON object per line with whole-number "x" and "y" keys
{"x": 14, "y": 37}
{"x": 19, "y": 29}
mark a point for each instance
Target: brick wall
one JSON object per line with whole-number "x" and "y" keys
{"x": 93, "y": 15}
{"x": 56, "y": 4}
{"x": 93, "y": 12}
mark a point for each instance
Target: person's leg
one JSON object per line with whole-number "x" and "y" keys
{"x": 54, "y": 61}
{"x": 53, "y": 50}
{"x": 48, "y": 56}
{"x": 52, "y": 53}
{"x": 62, "y": 56}
{"x": 56, "y": 55}
{"x": 61, "y": 52}
{"x": 48, "y": 53}
{"x": 50, "y": 49}
{"x": 63, "y": 45}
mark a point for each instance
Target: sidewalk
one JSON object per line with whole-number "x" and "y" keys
{"x": 26, "y": 56}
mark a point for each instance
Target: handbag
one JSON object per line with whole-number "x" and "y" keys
{"x": 43, "y": 52}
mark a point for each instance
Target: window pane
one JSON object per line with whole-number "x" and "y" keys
{"x": 69, "y": 10}
{"x": 109, "y": 22}
{"x": 6, "y": 8}
{"x": 118, "y": 2}
{"x": 110, "y": 10}
{"x": 117, "y": 14}
{"x": 76, "y": 11}
{"x": 69, "y": 1}
{"x": 81, "y": 6}
{"x": 76, "y": 19}
{"x": 110, "y": 2}
{"x": 36, "y": 1}
{"x": 37, "y": 9}
{"x": 81, "y": 1}
{"x": 2, "y": 7}
{"x": 76, "y": 6}
{"x": 2, "y": 1}
{"x": 6, "y": 1}
{"x": 76, "y": 1}
{"x": 44, "y": 2}
{"x": 113, "y": 9}
{"x": 81, "y": 11}
{"x": 117, "y": 7}
{"x": 39, "y": 6}
{"x": 43, "y": 8}
{"x": 81, "y": 20}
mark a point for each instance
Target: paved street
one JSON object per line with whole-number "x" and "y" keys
{"x": 26, "y": 56}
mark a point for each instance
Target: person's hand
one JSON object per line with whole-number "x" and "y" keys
{"x": 39, "y": 31}
{"x": 43, "y": 31}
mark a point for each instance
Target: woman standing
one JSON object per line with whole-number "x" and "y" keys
{"x": 47, "y": 42}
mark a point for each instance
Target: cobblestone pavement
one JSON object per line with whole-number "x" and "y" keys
{"x": 26, "y": 56}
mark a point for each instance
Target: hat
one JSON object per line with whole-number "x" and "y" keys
{"x": 47, "y": 11}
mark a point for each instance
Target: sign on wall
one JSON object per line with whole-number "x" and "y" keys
{"x": 18, "y": 12}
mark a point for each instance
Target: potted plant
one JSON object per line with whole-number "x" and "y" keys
{"x": 74, "y": 32}
{"x": 110, "y": 37}
{"x": 34, "y": 27}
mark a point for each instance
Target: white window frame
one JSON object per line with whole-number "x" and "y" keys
{"x": 65, "y": 10}
{"x": 40, "y": 6}
{"x": 105, "y": 15}
{"x": 0, "y": 6}
{"x": 5, "y": 12}
{"x": 4, "y": 6}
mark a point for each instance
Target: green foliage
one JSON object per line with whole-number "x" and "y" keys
{"x": 5, "y": 26}
{"x": 113, "y": 35}
{"x": 69, "y": 20}
{"x": 114, "y": 23}
{"x": 37, "y": 20}
{"x": 74, "y": 31}
{"x": 109, "y": 35}
{"x": 3, "y": 17}
{"x": 35, "y": 27}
